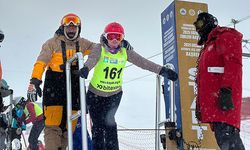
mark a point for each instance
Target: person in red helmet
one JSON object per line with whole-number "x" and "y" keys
{"x": 52, "y": 58}
{"x": 105, "y": 89}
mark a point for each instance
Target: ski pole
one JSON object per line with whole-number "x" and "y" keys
{"x": 24, "y": 141}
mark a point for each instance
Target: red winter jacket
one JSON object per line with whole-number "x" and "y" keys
{"x": 222, "y": 49}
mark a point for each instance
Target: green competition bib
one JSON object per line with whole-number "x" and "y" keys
{"x": 109, "y": 70}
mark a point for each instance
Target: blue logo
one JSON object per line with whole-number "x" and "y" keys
{"x": 113, "y": 61}
{"x": 105, "y": 59}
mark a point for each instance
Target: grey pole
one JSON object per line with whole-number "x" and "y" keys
{"x": 246, "y": 54}
{"x": 69, "y": 103}
{"x": 169, "y": 126}
{"x": 157, "y": 112}
{"x": 83, "y": 105}
{"x": 158, "y": 124}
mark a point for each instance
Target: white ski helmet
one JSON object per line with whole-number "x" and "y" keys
{"x": 16, "y": 144}
{"x": 18, "y": 100}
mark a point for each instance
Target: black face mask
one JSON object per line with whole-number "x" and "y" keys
{"x": 204, "y": 24}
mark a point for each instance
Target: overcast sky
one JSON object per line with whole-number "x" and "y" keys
{"x": 27, "y": 24}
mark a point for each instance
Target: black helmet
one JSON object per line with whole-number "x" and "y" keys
{"x": 1, "y": 36}
{"x": 204, "y": 24}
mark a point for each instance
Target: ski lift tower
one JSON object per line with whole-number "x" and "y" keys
{"x": 234, "y": 22}
{"x": 246, "y": 42}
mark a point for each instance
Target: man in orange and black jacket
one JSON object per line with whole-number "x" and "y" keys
{"x": 53, "y": 56}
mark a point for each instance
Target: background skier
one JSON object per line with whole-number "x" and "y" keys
{"x": 30, "y": 112}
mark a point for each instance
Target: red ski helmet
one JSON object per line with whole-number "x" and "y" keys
{"x": 71, "y": 18}
{"x": 114, "y": 27}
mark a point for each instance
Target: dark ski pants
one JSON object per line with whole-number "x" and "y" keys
{"x": 102, "y": 112}
{"x": 34, "y": 134}
{"x": 227, "y": 137}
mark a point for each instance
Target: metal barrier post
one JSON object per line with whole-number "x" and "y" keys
{"x": 171, "y": 126}
{"x": 78, "y": 56}
{"x": 157, "y": 112}
{"x": 170, "y": 123}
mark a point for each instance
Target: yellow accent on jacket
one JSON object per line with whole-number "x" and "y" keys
{"x": 51, "y": 54}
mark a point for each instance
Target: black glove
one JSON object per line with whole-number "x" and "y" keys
{"x": 37, "y": 83}
{"x": 84, "y": 72}
{"x": 225, "y": 99}
{"x": 126, "y": 44}
{"x": 168, "y": 73}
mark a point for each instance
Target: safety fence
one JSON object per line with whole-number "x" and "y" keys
{"x": 137, "y": 139}
{"x": 144, "y": 139}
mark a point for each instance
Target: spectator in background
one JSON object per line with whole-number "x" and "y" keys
{"x": 4, "y": 88}
{"x": 3, "y": 127}
{"x": 30, "y": 112}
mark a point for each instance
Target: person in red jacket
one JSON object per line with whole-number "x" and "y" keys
{"x": 31, "y": 112}
{"x": 219, "y": 80}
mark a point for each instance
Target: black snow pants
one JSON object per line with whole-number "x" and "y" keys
{"x": 102, "y": 112}
{"x": 227, "y": 137}
{"x": 35, "y": 133}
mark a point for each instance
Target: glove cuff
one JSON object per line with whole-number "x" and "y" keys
{"x": 163, "y": 69}
{"x": 226, "y": 90}
{"x": 35, "y": 81}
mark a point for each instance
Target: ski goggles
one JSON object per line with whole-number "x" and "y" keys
{"x": 71, "y": 19}
{"x": 112, "y": 36}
